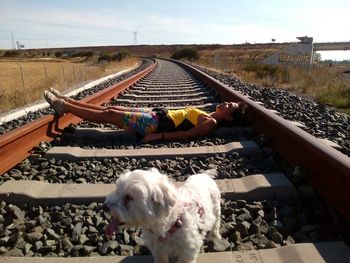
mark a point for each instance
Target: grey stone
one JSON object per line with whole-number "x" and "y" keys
{"x": 92, "y": 229}
{"x": 76, "y": 232}
{"x": 228, "y": 212}
{"x": 27, "y": 248}
{"x": 107, "y": 247}
{"x": 271, "y": 244}
{"x": 141, "y": 250}
{"x": 52, "y": 234}
{"x": 261, "y": 213}
{"x": 46, "y": 249}
{"x": 126, "y": 250}
{"x": 37, "y": 245}
{"x": 102, "y": 250}
{"x": 254, "y": 229}
{"x": 50, "y": 242}
{"x": 97, "y": 220}
{"x": 33, "y": 237}
{"x": 4, "y": 241}
{"x": 17, "y": 213}
{"x": 15, "y": 252}
{"x": 259, "y": 240}
{"x": 15, "y": 173}
{"x": 243, "y": 228}
{"x": 219, "y": 245}
{"x": 289, "y": 241}
{"x": 75, "y": 251}
{"x": 126, "y": 237}
{"x": 245, "y": 246}
{"x": 92, "y": 206}
{"x": 277, "y": 237}
{"x": 82, "y": 239}
{"x": 112, "y": 244}
{"x": 3, "y": 250}
{"x": 67, "y": 244}
{"x": 93, "y": 238}
{"x": 87, "y": 250}
{"x": 243, "y": 217}
{"x": 271, "y": 230}
{"x": 20, "y": 244}
{"x": 30, "y": 224}
{"x": 138, "y": 240}
{"x": 236, "y": 237}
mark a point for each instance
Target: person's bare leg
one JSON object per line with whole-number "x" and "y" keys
{"x": 99, "y": 107}
{"x": 94, "y": 115}
{"x": 95, "y": 107}
{"x": 85, "y": 105}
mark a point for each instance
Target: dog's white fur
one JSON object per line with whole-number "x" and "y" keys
{"x": 148, "y": 199}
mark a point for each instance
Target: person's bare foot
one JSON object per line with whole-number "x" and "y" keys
{"x": 55, "y": 103}
{"x": 58, "y": 94}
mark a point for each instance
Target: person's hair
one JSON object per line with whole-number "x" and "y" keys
{"x": 239, "y": 116}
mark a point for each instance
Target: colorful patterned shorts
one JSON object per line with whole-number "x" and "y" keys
{"x": 140, "y": 122}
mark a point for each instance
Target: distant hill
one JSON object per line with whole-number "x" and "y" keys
{"x": 167, "y": 50}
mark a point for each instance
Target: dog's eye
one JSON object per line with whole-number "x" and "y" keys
{"x": 127, "y": 199}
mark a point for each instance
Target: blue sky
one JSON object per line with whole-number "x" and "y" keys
{"x": 64, "y": 23}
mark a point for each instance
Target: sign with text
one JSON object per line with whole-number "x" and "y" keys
{"x": 291, "y": 58}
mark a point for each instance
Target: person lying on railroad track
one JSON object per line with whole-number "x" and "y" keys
{"x": 152, "y": 124}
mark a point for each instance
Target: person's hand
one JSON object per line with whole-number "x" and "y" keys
{"x": 152, "y": 137}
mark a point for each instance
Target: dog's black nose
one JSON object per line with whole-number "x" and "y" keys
{"x": 105, "y": 207}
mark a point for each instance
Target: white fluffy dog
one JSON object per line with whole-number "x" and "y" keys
{"x": 174, "y": 221}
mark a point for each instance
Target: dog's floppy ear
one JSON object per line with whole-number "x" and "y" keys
{"x": 164, "y": 195}
{"x": 123, "y": 176}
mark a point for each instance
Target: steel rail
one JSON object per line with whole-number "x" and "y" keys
{"x": 328, "y": 169}
{"x": 17, "y": 144}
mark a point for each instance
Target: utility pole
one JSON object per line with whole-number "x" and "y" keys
{"x": 12, "y": 41}
{"x": 135, "y": 37}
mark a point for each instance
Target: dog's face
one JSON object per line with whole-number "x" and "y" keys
{"x": 141, "y": 198}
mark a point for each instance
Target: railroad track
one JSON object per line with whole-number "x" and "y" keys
{"x": 50, "y": 202}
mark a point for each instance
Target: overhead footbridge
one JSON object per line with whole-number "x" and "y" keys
{"x": 302, "y": 53}
{"x": 326, "y": 46}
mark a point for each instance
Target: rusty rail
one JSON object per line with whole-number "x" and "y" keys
{"x": 328, "y": 169}
{"x": 17, "y": 144}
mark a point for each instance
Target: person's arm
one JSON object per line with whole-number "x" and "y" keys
{"x": 202, "y": 129}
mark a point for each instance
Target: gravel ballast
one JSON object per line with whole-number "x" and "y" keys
{"x": 320, "y": 120}
{"x": 78, "y": 230}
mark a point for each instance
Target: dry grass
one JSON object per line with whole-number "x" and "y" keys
{"x": 327, "y": 85}
{"x": 229, "y": 60}
{"x": 16, "y": 92}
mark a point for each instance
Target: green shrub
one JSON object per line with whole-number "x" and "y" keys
{"x": 189, "y": 53}
{"x": 120, "y": 55}
{"x": 82, "y": 54}
{"x": 58, "y": 54}
{"x": 262, "y": 71}
{"x": 105, "y": 56}
{"x": 10, "y": 53}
